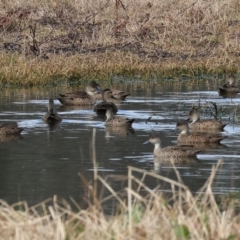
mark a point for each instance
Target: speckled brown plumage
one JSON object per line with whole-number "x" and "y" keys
{"x": 102, "y": 107}
{"x": 186, "y": 151}
{"x": 117, "y": 120}
{"x": 8, "y": 129}
{"x": 118, "y": 94}
{"x": 185, "y": 137}
{"x": 204, "y": 124}
{"x": 81, "y": 97}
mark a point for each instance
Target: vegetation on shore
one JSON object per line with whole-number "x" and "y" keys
{"x": 143, "y": 213}
{"x": 64, "y": 41}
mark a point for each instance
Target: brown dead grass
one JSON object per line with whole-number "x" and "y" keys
{"x": 153, "y": 216}
{"x": 42, "y": 41}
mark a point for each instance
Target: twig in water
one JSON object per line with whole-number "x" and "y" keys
{"x": 148, "y": 120}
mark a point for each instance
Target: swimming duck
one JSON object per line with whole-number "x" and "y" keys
{"x": 9, "y": 129}
{"x": 101, "y": 107}
{"x": 119, "y": 94}
{"x": 230, "y": 86}
{"x": 179, "y": 151}
{"x": 117, "y": 120}
{"x": 81, "y": 97}
{"x": 205, "y": 124}
{"x": 51, "y": 116}
{"x": 186, "y": 137}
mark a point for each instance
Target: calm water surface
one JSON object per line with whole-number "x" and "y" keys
{"x": 46, "y": 161}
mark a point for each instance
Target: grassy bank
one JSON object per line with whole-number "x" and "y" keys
{"x": 61, "y": 41}
{"x": 143, "y": 213}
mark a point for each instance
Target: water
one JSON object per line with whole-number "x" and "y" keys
{"x": 46, "y": 161}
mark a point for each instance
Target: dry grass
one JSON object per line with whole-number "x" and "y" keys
{"x": 42, "y": 41}
{"x": 152, "y": 216}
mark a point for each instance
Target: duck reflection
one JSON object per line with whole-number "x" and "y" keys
{"x": 160, "y": 161}
{"x": 119, "y": 131}
{"x": 74, "y": 107}
{"x": 53, "y": 125}
{"x": 228, "y": 94}
{"x": 8, "y": 138}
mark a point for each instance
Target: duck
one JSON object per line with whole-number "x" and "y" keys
{"x": 205, "y": 124}
{"x": 51, "y": 116}
{"x": 185, "y": 137}
{"x": 118, "y": 95}
{"x": 178, "y": 151}
{"x": 9, "y": 129}
{"x": 117, "y": 121}
{"x": 102, "y": 107}
{"x": 230, "y": 86}
{"x": 81, "y": 97}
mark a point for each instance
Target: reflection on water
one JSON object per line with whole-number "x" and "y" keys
{"x": 12, "y": 137}
{"x": 158, "y": 161}
{"x": 119, "y": 131}
{"x": 228, "y": 95}
{"x": 46, "y": 160}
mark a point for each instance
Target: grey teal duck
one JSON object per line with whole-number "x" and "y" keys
{"x": 205, "y": 124}
{"x": 9, "y": 129}
{"x": 185, "y": 137}
{"x": 51, "y": 116}
{"x": 230, "y": 86}
{"x": 117, "y": 95}
{"x": 179, "y": 151}
{"x": 102, "y": 107}
{"x": 117, "y": 121}
{"x": 81, "y": 97}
